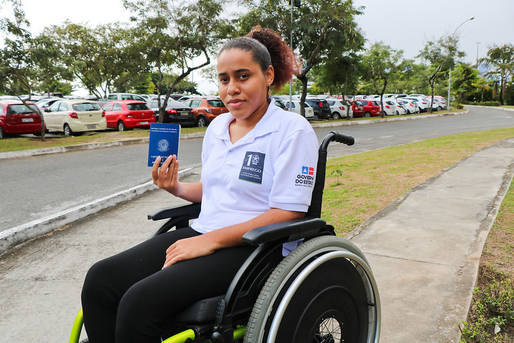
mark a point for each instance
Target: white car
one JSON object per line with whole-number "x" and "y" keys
{"x": 295, "y": 107}
{"x": 340, "y": 109}
{"x": 410, "y": 106}
{"x": 440, "y": 101}
{"x": 72, "y": 116}
{"x": 422, "y": 103}
{"x": 392, "y": 108}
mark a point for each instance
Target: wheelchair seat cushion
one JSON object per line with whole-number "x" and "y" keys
{"x": 201, "y": 312}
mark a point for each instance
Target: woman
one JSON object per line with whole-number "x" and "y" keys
{"x": 254, "y": 161}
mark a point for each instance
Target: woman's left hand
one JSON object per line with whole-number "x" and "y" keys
{"x": 188, "y": 248}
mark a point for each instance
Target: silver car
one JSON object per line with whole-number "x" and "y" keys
{"x": 294, "y": 106}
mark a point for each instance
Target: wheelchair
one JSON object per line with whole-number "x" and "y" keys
{"x": 323, "y": 291}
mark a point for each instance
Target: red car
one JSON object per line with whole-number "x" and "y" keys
{"x": 365, "y": 108}
{"x": 128, "y": 114}
{"x": 16, "y": 118}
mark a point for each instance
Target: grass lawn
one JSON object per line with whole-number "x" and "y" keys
{"x": 28, "y": 143}
{"x": 359, "y": 186}
{"x": 492, "y": 307}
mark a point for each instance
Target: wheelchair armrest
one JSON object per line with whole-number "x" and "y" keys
{"x": 190, "y": 211}
{"x": 290, "y": 230}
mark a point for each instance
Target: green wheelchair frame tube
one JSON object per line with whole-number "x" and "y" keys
{"x": 181, "y": 337}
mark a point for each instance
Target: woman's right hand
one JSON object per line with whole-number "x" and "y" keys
{"x": 166, "y": 177}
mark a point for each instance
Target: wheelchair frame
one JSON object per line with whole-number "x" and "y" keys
{"x": 237, "y": 306}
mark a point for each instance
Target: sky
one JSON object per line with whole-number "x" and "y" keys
{"x": 401, "y": 24}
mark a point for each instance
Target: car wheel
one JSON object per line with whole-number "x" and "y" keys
{"x": 1, "y": 133}
{"x": 336, "y": 116}
{"x": 121, "y": 126}
{"x": 67, "y": 130}
{"x": 367, "y": 114}
{"x": 201, "y": 122}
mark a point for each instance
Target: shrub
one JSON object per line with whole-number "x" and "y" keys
{"x": 491, "y": 318}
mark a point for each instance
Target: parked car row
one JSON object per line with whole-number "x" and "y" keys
{"x": 122, "y": 111}
{"x": 423, "y": 102}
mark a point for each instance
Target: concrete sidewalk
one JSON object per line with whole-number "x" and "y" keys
{"x": 424, "y": 250}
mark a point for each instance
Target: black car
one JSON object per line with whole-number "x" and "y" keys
{"x": 321, "y": 107}
{"x": 176, "y": 112}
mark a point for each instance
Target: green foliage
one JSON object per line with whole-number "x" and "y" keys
{"x": 337, "y": 172}
{"x": 493, "y": 310}
{"x": 380, "y": 64}
{"x": 501, "y": 61}
{"x": 464, "y": 81}
{"x": 338, "y": 75}
{"x": 170, "y": 35}
{"x": 102, "y": 58}
{"x": 321, "y": 29}
{"x": 442, "y": 55}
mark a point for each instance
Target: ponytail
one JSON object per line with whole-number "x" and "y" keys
{"x": 268, "y": 48}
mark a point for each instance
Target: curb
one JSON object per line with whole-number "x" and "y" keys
{"x": 85, "y": 146}
{"x": 492, "y": 107}
{"x": 129, "y": 141}
{"x": 38, "y": 227}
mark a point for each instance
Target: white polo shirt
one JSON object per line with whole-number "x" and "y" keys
{"x": 272, "y": 166}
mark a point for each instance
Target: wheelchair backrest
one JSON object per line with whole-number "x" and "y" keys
{"x": 317, "y": 193}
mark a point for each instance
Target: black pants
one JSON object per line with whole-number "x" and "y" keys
{"x": 128, "y": 298}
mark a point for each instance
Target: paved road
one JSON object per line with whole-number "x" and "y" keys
{"x": 38, "y": 186}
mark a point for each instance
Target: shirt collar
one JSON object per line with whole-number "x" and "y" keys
{"x": 263, "y": 127}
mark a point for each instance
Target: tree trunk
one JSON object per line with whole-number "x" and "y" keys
{"x": 432, "y": 100}
{"x": 382, "y": 98}
{"x": 303, "y": 79}
{"x": 502, "y": 88}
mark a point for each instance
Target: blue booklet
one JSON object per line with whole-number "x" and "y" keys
{"x": 164, "y": 141}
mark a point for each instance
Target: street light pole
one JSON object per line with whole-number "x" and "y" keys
{"x": 450, "y": 72}
{"x": 478, "y": 43}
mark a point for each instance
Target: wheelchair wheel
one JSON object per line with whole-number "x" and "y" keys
{"x": 322, "y": 292}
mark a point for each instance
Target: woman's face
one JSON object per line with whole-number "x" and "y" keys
{"x": 243, "y": 86}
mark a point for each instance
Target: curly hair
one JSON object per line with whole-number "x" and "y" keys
{"x": 268, "y": 48}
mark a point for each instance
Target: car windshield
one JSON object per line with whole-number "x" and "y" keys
{"x": 137, "y": 107}
{"x": 216, "y": 103}
{"x": 86, "y": 107}
{"x": 20, "y": 109}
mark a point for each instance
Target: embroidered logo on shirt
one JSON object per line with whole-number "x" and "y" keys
{"x": 306, "y": 178}
{"x": 307, "y": 170}
{"x": 253, "y": 166}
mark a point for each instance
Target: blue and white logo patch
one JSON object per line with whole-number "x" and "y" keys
{"x": 253, "y": 166}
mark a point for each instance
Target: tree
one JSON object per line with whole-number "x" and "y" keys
{"x": 99, "y": 57}
{"x": 321, "y": 29}
{"x": 501, "y": 62}
{"x": 380, "y": 63}
{"x": 20, "y": 58}
{"x": 411, "y": 77}
{"x": 172, "y": 35}
{"x": 465, "y": 81}
{"x": 339, "y": 75}
{"x": 442, "y": 56}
